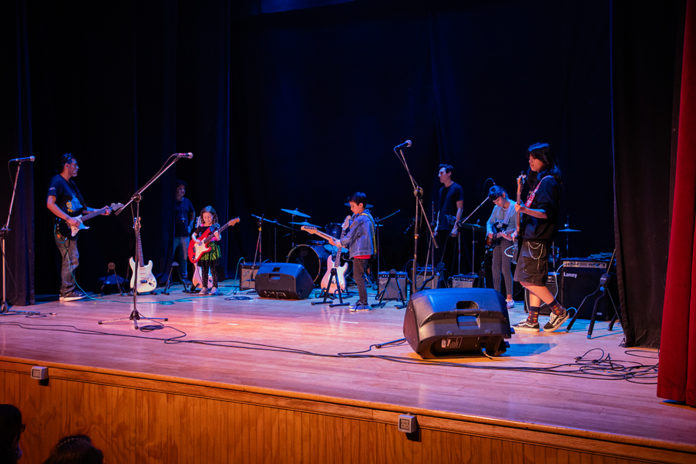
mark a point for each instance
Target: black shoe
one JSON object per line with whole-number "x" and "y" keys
{"x": 72, "y": 296}
{"x": 556, "y": 320}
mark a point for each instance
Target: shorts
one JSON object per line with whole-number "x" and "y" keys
{"x": 532, "y": 262}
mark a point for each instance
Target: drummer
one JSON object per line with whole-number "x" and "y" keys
{"x": 359, "y": 237}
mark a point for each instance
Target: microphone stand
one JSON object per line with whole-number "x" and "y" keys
{"x": 473, "y": 232}
{"x": 419, "y": 211}
{"x": 4, "y": 232}
{"x": 135, "y": 315}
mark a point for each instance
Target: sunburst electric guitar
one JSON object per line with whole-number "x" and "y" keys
{"x": 146, "y": 280}
{"x": 331, "y": 264}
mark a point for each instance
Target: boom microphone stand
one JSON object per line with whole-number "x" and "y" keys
{"x": 4, "y": 232}
{"x": 135, "y": 315}
{"x": 419, "y": 210}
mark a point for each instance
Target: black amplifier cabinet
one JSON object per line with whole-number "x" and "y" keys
{"x": 579, "y": 278}
{"x": 451, "y": 321}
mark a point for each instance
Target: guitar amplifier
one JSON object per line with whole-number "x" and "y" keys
{"x": 391, "y": 292}
{"x": 248, "y": 276}
{"x": 463, "y": 281}
{"x": 426, "y": 279}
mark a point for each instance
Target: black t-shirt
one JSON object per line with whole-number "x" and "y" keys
{"x": 183, "y": 210}
{"x": 546, "y": 198}
{"x": 68, "y": 198}
{"x": 447, "y": 205}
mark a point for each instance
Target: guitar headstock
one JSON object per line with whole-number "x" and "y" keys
{"x": 115, "y": 206}
{"x": 234, "y": 221}
{"x": 309, "y": 229}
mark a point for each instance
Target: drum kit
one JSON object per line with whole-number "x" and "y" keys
{"x": 313, "y": 254}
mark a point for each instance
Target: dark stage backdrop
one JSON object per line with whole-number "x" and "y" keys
{"x": 299, "y": 109}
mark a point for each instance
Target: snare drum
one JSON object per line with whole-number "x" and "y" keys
{"x": 312, "y": 257}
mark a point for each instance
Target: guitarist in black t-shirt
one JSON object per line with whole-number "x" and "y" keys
{"x": 450, "y": 207}
{"x": 65, "y": 201}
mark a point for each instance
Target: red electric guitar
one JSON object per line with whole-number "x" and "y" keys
{"x": 201, "y": 246}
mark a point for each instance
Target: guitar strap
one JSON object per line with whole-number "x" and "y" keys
{"x": 530, "y": 198}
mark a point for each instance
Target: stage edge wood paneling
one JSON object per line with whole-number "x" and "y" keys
{"x": 148, "y": 418}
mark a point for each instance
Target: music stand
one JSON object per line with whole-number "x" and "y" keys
{"x": 135, "y": 315}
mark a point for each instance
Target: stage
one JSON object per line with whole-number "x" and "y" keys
{"x": 236, "y": 377}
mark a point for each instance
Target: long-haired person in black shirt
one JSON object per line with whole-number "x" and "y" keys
{"x": 538, "y": 215}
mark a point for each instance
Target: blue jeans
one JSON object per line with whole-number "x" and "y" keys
{"x": 180, "y": 253}
{"x": 501, "y": 264}
{"x": 70, "y": 259}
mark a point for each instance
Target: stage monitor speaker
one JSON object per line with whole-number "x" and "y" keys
{"x": 450, "y": 321}
{"x": 248, "y": 275}
{"x": 577, "y": 283}
{"x": 283, "y": 281}
{"x": 392, "y": 289}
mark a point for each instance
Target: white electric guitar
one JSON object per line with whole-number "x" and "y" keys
{"x": 146, "y": 280}
{"x": 84, "y": 217}
{"x": 330, "y": 264}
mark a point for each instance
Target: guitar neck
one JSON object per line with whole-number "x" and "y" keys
{"x": 140, "y": 249}
{"x": 319, "y": 233}
{"x": 220, "y": 230}
{"x": 92, "y": 214}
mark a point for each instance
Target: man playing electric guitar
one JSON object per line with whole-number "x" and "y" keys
{"x": 65, "y": 201}
{"x": 500, "y": 228}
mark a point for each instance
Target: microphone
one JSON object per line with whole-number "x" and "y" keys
{"x": 406, "y": 144}
{"x": 23, "y": 160}
{"x": 188, "y": 155}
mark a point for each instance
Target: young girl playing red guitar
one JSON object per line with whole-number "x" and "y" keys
{"x": 208, "y": 262}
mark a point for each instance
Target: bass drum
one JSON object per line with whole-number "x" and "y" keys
{"x": 312, "y": 257}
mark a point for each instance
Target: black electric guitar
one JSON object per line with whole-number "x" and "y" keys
{"x": 66, "y": 229}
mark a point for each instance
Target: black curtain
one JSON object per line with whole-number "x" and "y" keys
{"x": 17, "y": 142}
{"x": 301, "y": 108}
{"x": 647, "y": 53}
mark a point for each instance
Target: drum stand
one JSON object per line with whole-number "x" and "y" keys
{"x": 333, "y": 278}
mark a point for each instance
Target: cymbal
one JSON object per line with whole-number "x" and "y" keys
{"x": 304, "y": 223}
{"x": 367, "y": 206}
{"x": 566, "y": 231}
{"x": 469, "y": 225}
{"x": 295, "y": 212}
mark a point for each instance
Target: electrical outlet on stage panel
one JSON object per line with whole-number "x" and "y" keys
{"x": 40, "y": 373}
{"x": 407, "y": 423}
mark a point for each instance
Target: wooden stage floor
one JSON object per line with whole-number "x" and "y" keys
{"x": 292, "y": 346}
